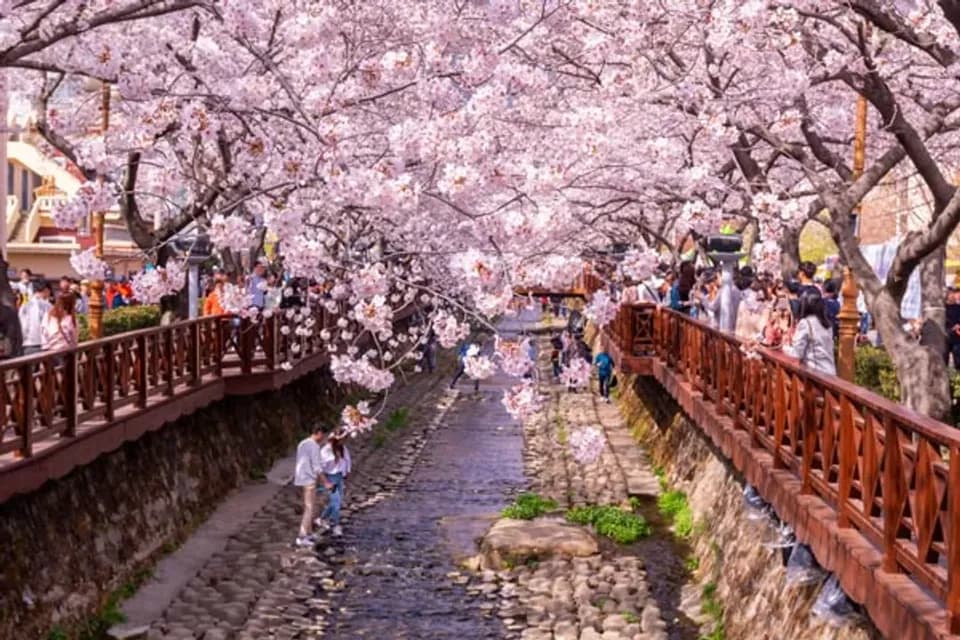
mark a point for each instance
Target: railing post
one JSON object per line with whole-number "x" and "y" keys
{"x": 168, "y": 368}
{"x": 780, "y": 417}
{"x": 218, "y": 348}
{"x": 108, "y": 381}
{"x": 720, "y": 378}
{"x": 757, "y": 402}
{"x": 270, "y": 341}
{"x": 70, "y": 399}
{"x": 894, "y": 494}
{"x": 26, "y": 428}
{"x": 142, "y": 366}
{"x": 848, "y": 459}
{"x": 195, "y": 348}
{"x": 246, "y": 347}
{"x": 953, "y": 543}
{"x": 809, "y": 435}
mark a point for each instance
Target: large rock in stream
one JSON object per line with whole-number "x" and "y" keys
{"x": 512, "y": 542}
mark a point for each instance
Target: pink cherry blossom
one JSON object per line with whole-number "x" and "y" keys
{"x": 602, "y": 309}
{"x": 513, "y": 358}
{"x": 522, "y": 401}
{"x": 587, "y": 444}
{"x": 479, "y": 367}
{"x": 576, "y": 374}
{"x": 150, "y": 286}
{"x": 88, "y": 265}
{"x": 355, "y": 419}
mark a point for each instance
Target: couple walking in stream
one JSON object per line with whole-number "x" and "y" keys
{"x": 323, "y": 463}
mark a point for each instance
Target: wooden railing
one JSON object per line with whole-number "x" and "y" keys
{"x": 889, "y": 473}
{"x": 47, "y": 398}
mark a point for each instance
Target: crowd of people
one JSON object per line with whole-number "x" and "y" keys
{"x": 797, "y": 315}
{"x": 46, "y": 314}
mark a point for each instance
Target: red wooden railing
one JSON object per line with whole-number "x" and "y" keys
{"x": 889, "y": 473}
{"x": 45, "y": 398}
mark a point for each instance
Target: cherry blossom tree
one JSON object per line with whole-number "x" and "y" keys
{"x": 442, "y": 152}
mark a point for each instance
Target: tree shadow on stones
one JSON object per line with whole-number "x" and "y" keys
{"x": 664, "y": 557}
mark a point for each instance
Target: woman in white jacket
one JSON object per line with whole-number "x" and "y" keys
{"x": 812, "y": 341}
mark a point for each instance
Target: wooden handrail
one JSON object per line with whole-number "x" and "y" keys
{"x": 52, "y": 396}
{"x": 889, "y": 473}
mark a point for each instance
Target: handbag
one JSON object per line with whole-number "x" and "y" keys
{"x": 613, "y": 381}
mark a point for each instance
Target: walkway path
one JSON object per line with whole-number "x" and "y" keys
{"x": 417, "y": 504}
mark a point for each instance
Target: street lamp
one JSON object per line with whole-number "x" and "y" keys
{"x": 99, "y": 219}
{"x": 197, "y": 250}
{"x": 725, "y": 250}
{"x": 848, "y": 317}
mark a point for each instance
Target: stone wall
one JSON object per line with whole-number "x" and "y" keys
{"x": 67, "y": 546}
{"x": 749, "y": 576}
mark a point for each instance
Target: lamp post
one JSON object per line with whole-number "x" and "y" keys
{"x": 99, "y": 219}
{"x": 197, "y": 249}
{"x": 725, "y": 250}
{"x": 849, "y": 318}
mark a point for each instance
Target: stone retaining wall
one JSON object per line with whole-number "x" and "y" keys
{"x": 749, "y": 576}
{"x": 68, "y": 545}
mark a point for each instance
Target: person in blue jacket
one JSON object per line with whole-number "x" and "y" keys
{"x": 605, "y": 373}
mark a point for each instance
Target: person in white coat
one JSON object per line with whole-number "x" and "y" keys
{"x": 309, "y": 472}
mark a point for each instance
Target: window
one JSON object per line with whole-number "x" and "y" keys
{"x": 10, "y": 169}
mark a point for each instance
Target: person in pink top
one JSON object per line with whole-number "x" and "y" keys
{"x": 59, "y": 329}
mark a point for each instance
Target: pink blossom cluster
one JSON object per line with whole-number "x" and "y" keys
{"x": 375, "y": 315}
{"x": 576, "y": 373}
{"x": 370, "y": 281}
{"x": 513, "y": 357}
{"x": 479, "y": 367}
{"x": 89, "y": 198}
{"x": 449, "y": 330}
{"x": 587, "y": 444}
{"x": 602, "y": 309}
{"x": 355, "y": 418}
{"x": 150, "y": 286}
{"x": 235, "y": 299}
{"x": 88, "y": 265}
{"x": 229, "y": 232}
{"x": 522, "y": 401}
{"x": 347, "y": 370}
{"x": 639, "y": 264}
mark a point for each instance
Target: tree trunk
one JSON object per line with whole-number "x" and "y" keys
{"x": 179, "y": 303}
{"x": 790, "y": 253}
{"x": 920, "y": 368}
{"x": 7, "y": 297}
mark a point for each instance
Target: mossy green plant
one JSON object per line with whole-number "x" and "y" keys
{"x": 711, "y": 606}
{"x": 615, "y": 523}
{"x": 675, "y": 506}
{"x": 398, "y": 419}
{"x": 528, "y": 506}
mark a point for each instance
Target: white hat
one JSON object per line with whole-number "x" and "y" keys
{"x": 656, "y": 282}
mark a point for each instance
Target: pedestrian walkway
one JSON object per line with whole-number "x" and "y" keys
{"x": 415, "y": 508}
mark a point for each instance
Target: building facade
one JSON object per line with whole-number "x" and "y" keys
{"x": 36, "y": 183}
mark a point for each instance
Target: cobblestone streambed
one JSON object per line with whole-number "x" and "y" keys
{"x": 417, "y": 503}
